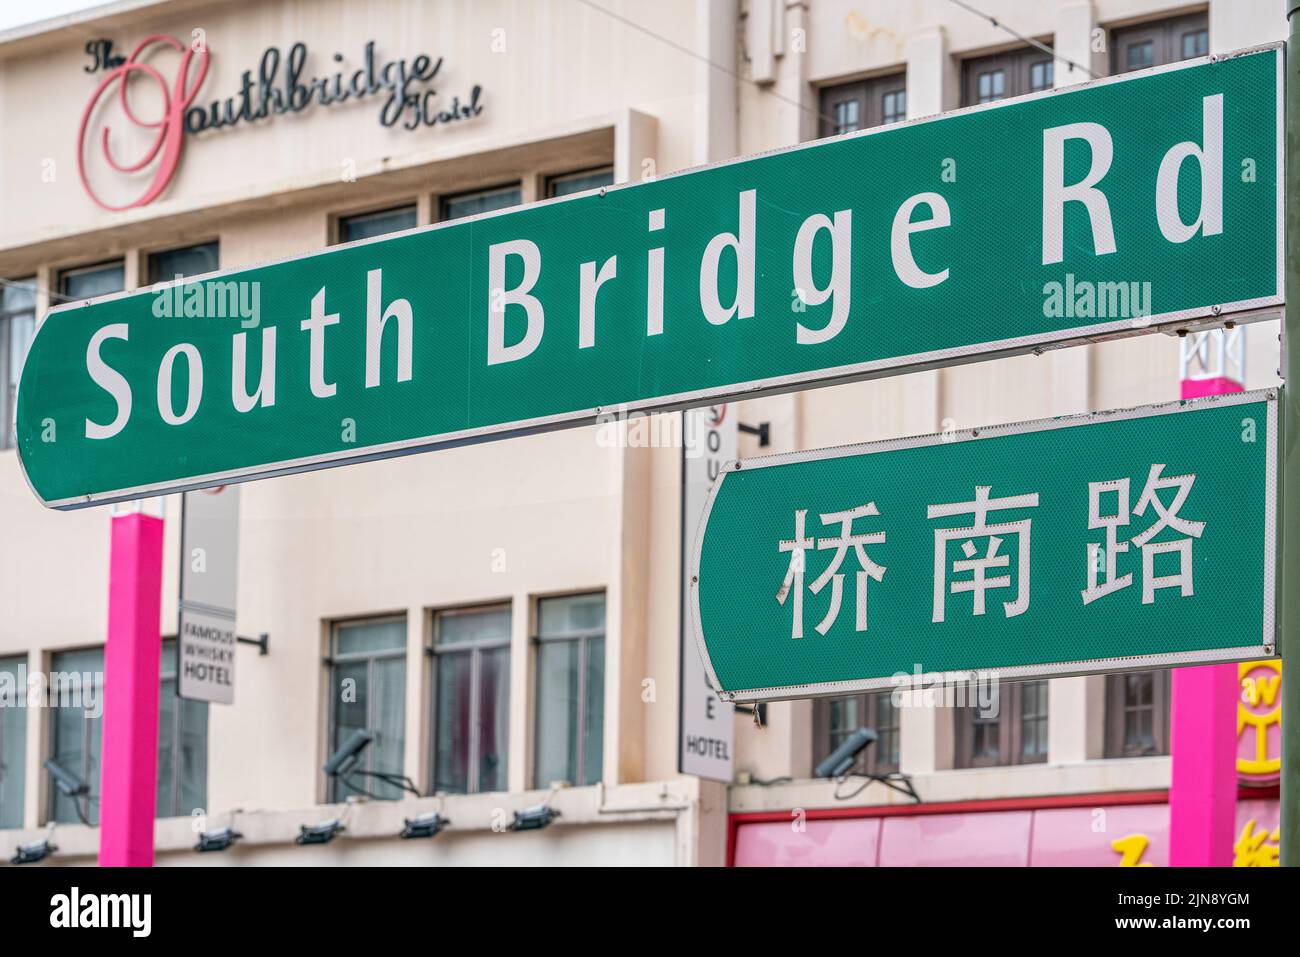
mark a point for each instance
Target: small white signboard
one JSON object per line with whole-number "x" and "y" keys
{"x": 209, "y": 572}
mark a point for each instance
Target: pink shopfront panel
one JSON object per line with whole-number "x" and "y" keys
{"x": 847, "y": 842}
{"x": 1101, "y": 836}
{"x": 987, "y": 839}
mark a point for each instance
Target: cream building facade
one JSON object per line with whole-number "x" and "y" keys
{"x": 570, "y": 93}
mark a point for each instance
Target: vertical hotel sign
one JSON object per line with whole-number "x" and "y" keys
{"x": 707, "y": 727}
{"x": 209, "y": 578}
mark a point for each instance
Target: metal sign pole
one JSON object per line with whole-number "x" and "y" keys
{"x": 1289, "y": 638}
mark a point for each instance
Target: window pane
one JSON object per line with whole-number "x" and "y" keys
{"x": 1033, "y": 720}
{"x": 846, "y": 116}
{"x": 182, "y": 745}
{"x": 13, "y": 741}
{"x": 894, "y": 108}
{"x": 992, "y": 86}
{"x": 886, "y": 725}
{"x": 843, "y": 720}
{"x": 76, "y": 696}
{"x": 571, "y": 615}
{"x": 593, "y": 725}
{"x": 388, "y": 701}
{"x": 557, "y": 712}
{"x": 369, "y": 636}
{"x": 193, "y": 756}
{"x": 1141, "y": 55}
{"x": 349, "y": 711}
{"x": 471, "y": 204}
{"x": 578, "y": 182}
{"x": 91, "y": 281}
{"x": 190, "y": 261}
{"x": 494, "y": 718}
{"x": 1041, "y": 76}
{"x": 488, "y": 624}
{"x": 1196, "y": 43}
{"x": 17, "y": 296}
{"x": 451, "y": 723}
{"x": 17, "y": 327}
{"x": 167, "y": 701}
{"x": 352, "y": 228}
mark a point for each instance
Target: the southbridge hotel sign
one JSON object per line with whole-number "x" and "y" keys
{"x": 155, "y": 95}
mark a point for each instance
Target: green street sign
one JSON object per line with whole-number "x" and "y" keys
{"x": 1126, "y": 205}
{"x": 1098, "y": 543}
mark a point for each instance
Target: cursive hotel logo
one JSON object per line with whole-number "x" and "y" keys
{"x": 278, "y": 86}
{"x": 164, "y": 152}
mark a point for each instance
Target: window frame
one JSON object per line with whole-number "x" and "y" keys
{"x": 1116, "y": 708}
{"x": 151, "y": 256}
{"x": 549, "y": 191}
{"x": 341, "y": 219}
{"x": 52, "y": 743}
{"x": 9, "y": 390}
{"x": 17, "y": 661}
{"x": 868, "y": 95}
{"x": 475, "y": 650}
{"x": 505, "y": 187}
{"x": 1017, "y": 66}
{"x": 63, "y": 274}
{"x": 536, "y": 640}
{"x": 869, "y": 761}
{"x": 1010, "y": 729}
{"x": 335, "y": 793}
{"x": 1165, "y": 34}
{"x": 177, "y": 730}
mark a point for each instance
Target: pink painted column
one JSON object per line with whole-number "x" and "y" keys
{"x": 1203, "y": 740}
{"x": 128, "y": 784}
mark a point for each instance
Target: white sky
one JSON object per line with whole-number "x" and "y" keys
{"x": 16, "y": 13}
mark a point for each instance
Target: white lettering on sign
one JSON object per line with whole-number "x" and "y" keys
{"x": 921, "y": 213}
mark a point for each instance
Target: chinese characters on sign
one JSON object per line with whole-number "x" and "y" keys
{"x": 981, "y": 545}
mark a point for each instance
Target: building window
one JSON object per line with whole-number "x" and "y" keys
{"x": 189, "y": 261}
{"x": 860, "y": 105}
{"x": 367, "y": 682}
{"x": 1196, "y": 43}
{"x": 366, "y": 225}
{"x": 571, "y": 183}
{"x": 893, "y": 107}
{"x": 471, "y": 699}
{"x": 182, "y": 745}
{"x": 85, "y": 282}
{"x": 76, "y": 691}
{"x": 1015, "y": 734}
{"x": 13, "y": 740}
{"x": 17, "y": 327}
{"x": 1042, "y": 76}
{"x": 987, "y": 79}
{"x": 834, "y": 719}
{"x": 992, "y": 86}
{"x": 570, "y": 689}
{"x": 1137, "y": 714}
{"x": 483, "y": 201}
{"x": 1158, "y": 42}
{"x": 1139, "y": 54}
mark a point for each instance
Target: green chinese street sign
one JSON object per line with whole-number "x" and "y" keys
{"x": 1121, "y": 206}
{"x": 1096, "y": 543}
